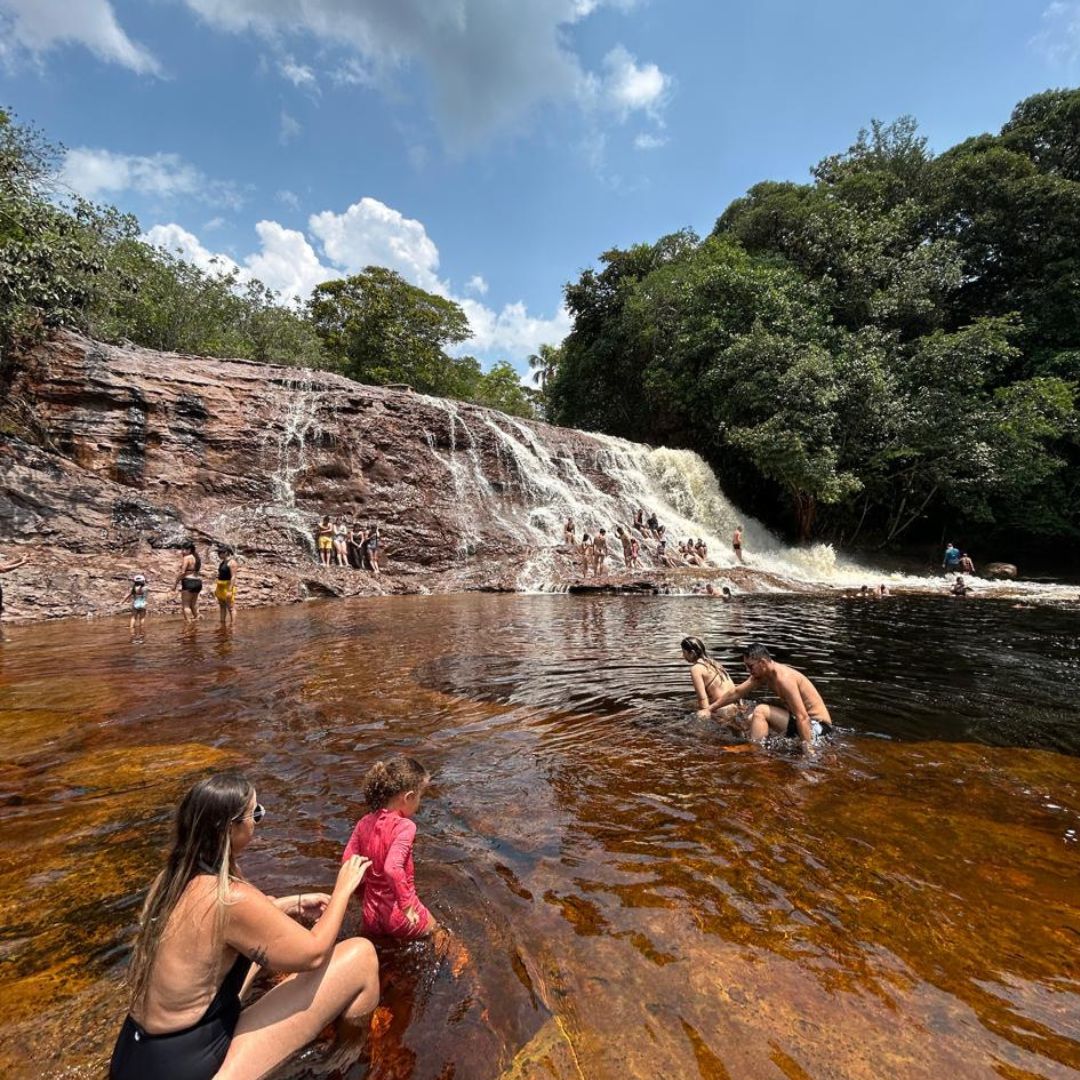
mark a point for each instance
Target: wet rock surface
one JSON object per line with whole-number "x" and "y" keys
{"x": 110, "y": 456}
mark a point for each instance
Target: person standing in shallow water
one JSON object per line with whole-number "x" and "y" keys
{"x": 202, "y": 930}
{"x": 225, "y": 586}
{"x": 324, "y": 538}
{"x": 802, "y": 715}
{"x": 137, "y": 598}
{"x": 189, "y": 582}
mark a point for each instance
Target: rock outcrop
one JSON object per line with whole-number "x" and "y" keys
{"x": 110, "y": 456}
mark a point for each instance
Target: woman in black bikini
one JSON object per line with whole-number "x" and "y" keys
{"x": 189, "y": 581}
{"x": 203, "y": 927}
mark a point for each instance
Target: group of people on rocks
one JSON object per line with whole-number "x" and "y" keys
{"x": 345, "y": 543}
{"x": 592, "y": 551}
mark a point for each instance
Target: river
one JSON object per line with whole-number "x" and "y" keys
{"x": 635, "y": 900}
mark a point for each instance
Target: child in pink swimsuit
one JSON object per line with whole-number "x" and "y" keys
{"x": 392, "y": 790}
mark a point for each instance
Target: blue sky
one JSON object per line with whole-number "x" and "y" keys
{"x": 490, "y": 150}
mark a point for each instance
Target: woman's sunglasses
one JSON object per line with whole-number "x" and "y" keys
{"x": 257, "y": 814}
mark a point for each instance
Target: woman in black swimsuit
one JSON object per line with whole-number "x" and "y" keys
{"x": 189, "y": 581}
{"x": 203, "y": 927}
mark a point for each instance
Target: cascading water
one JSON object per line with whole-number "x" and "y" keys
{"x": 600, "y": 482}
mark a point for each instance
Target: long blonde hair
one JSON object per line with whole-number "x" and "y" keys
{"x": 201, "y": 845}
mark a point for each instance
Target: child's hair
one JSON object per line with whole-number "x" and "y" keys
{"x": 385, "y": 779}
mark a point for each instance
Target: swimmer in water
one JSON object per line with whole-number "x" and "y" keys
{"x": 801, "y": 715}
{"x": 710, "y": 680}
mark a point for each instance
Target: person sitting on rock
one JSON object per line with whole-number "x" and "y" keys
{"x": 568, "y": 533}
{"x": 654, "y": 524}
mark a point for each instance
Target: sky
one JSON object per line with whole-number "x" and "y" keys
{"x": 490, "y": 150}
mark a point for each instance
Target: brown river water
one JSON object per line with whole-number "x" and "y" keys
{"x": 635, "y": 899}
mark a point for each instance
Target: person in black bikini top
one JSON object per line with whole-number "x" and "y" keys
{"x": 189, "y": 581}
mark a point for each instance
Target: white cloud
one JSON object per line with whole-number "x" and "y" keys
{"x": 187, "y": 245}
{"x": 1059, "y": 39}
{"x": 629, "y": 87}
{"x": 287, "y": 262}
{"x": 289, "y": 198}
{"x": 512, "y": 331}
{"x": 645, "y": 141}
{"x": 40, "y": 25}
{"x": 299, "y": 75}
{"x": 213, "y": 223}
{"x": 489, "y": 62}
{"x": 94, "y": 172}
{"x": 290, "y": 128}
{"x": 370, "y": 233}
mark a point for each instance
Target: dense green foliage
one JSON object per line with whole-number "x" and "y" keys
{"x": 896, "y": 342}
{"x": 68, "y": 262}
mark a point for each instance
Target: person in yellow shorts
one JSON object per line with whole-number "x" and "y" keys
{"x": 225, "y": 586}
{"x": 324, "y": 535}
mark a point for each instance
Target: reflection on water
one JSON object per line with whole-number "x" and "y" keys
{"x": 636, "y": 901}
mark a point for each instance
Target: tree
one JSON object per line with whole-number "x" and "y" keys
{"x": 384, "y": 330}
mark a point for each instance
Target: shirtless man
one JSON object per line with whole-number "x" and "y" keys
{"x": 803, "y": 714}
{"x": 600, "y": 551}
{"x": 736, "y": 542}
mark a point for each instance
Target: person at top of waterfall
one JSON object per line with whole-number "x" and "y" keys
{"x": 374, "y": 541}
{"x": 709, "y": 677}
{"x": 189, "y": 581}
{"x": 225, "y": 586}
{"x": 966, "y": 565}
{"x": 586, "y": 553}
{"x": 324, "y": 537}
{"x": 392, "y": 790}
{"x": 568, "y": 532}
{"x": 6, "y": 568}
{"x": 600, "y": 550}
{"x": 137, "y": 599}
{"x": 736, "y": 542}
{"x": 952, "y": 557}
{"x": 202, "y": 931}
{"x": 341, "y": 541}
{"x": 802, "y": 713}
{"x": 960, "y": 587}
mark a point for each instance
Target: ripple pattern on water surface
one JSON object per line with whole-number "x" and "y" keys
{"x": 634, "y": 898}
